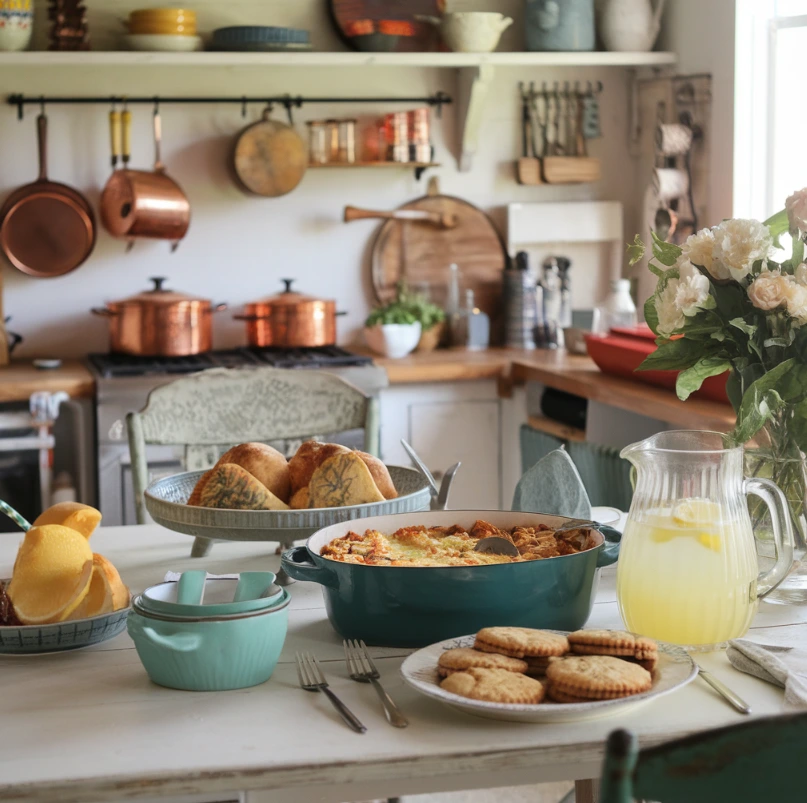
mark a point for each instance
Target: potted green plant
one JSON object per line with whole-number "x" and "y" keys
{"x": 409, "y": 322}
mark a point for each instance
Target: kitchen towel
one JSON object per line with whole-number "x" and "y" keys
{"x": 553, "y": 486}
{"x": 785, "y": 667}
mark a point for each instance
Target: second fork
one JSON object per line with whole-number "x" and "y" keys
{"x": 360, "y": 666}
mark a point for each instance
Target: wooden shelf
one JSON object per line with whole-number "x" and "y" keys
{"x": 418, "y": 167}
{"x": 556, "y": 428}
{"x": 125, "y": 58}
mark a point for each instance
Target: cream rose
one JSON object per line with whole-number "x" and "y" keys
{"x": 699, "y": 250}
{"x": 692, "y": 294}
{"x": 801, "y": 274}
{"x": 796, "y": 301}
{"x": 739, "y": 244}
{"x": 796, "y": 206}
{"x": 770, "y": 290}
{"x": 670, "y": 316}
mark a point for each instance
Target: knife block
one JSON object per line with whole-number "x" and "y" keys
{"x": 528, "y": 170}
{"x": 571, "y": 169}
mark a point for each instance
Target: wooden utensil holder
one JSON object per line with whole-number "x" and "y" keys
{"x": 571, "y": 169}
{"x": 528, "y": 170}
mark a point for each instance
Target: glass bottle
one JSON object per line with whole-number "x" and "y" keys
{"x": 618, "y": 309}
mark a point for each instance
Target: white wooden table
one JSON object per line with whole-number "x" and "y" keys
{"x": 89, "y": 725}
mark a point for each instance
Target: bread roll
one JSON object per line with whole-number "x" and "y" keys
{"x": 310, "y": 456}
{"x": 343, "y": 480}
{"x": 380, "y": 475}
{"x": 299, "y": 500}
{"x": 232, "y": 487}
{"x": 266, "y": 464}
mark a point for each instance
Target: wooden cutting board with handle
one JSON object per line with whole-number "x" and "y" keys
{"x": 4, "y": 358}
{"x": 420, "y": 252}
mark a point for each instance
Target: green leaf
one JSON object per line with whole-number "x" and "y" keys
{"x": 664, "y": 252}
{"x": 756, "y": 409}
{"x": 674, "y": 355}
{"x": 690, "y": 380}
{"x": 732, "y": 301}
{"x": 719, "y": 336}
{"x": 778, "y": 224}
{"x": 650, "y": 314}
{"x": 798, "y": 251}
{"x": 740, "y": 323}
{"x": 636, "y": 251}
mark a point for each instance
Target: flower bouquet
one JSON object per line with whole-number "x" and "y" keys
{"x": 723, "y": 303}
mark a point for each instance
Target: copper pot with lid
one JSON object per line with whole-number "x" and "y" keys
{"x": 160, "y": 323}
{"x": 291, "y": 320}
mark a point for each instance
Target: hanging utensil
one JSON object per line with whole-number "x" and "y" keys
{"x": 269, "y": 158}
{"x": 46, "y": 228}
{"x": 421, "y": 466}
{"x": 142, "y": 203}
{"x": 445, "y": 221}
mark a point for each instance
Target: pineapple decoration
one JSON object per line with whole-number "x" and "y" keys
{"x": 69, "y": 29}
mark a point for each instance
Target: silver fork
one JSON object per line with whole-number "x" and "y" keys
{"x": 312, "y": 679}
{"x": 361, "y": 667}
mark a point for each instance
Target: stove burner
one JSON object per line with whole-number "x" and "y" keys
{"x": 126, "y": 365}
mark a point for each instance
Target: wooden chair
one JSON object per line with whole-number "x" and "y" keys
{"x": 223, "y": 407}
{"x": 756, "y": 762}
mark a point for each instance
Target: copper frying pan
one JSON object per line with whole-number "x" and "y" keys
{"x": 46, "y": 228}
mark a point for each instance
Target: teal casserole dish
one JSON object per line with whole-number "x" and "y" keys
{"x": 212, "y": 653}
{"x": 410, "y": 606}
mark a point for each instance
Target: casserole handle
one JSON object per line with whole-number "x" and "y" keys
{"x": 297, "y": 564}
{"x": 610, "y": 549}
{"x": 179, "y": 642}
{"x": 104, "y": 312}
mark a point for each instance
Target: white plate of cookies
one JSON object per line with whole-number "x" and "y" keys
{"x": 525, "y": 675}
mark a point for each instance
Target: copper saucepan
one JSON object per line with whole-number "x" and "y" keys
{"x": 140, "y": 203}
{"x": 290, "y": 320}
{"x": 160, "y": 323}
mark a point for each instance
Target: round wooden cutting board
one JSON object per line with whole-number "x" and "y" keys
{"x": 420, "y": 252}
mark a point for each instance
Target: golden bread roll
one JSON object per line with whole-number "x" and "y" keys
{"x": 343, "y": 480}
{"x": 232, "y": 487}
{"x": 299, "y": 500}
{"x": 266, "y": 464}
{"x": 309, "y": 457}
{"x": 380, "y": 475}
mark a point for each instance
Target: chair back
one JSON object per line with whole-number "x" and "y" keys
{"x": 748, "y": 763}
{"x": 225, "y": 406}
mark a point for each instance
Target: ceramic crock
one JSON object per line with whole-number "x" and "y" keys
{"x": 16, "y": 24}
{"x": 403, "y": 606}
{"x": 553, "y": 25}
{"x": 211, "y": 653}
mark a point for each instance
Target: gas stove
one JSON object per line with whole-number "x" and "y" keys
{"x": 123, "y": 384}
{"x": 110, "y": 366}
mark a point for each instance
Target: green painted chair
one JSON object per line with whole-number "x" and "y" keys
{"x": 756, "y": 762}
{"x": 223, "y": 407}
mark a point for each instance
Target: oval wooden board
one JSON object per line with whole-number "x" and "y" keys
{"x": 422, "y": 252}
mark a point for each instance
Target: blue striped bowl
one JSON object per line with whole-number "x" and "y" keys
{"x": 259, "y": 35}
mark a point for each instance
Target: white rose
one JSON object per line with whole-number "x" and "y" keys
{"x": 670, "y": 316}
{"x": 796, "y": 206}
{"x": 692, "y": 294}
{"x": 801, "y": 274}
{"x": 699, "y": 250}
{"x": 739, "y": 243}
{"x": 769, "y": 290}
{"x": 796, "y": 300}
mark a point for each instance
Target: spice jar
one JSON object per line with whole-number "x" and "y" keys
{"x": 347, "y": 141}
{"x": 317, "y": 150}
{"x": 332, "y": 140}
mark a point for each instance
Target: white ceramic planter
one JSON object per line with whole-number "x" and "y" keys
{"x": 16, "y": 24}
{"x": 393, "y": 340}
{"x": 471, "y": 31}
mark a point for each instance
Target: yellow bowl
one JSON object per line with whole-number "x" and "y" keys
{"x": 164, "y": 14}
{"x": 163, "y": 27}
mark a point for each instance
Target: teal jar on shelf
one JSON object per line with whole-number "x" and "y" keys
{"x": 559, "y": 25}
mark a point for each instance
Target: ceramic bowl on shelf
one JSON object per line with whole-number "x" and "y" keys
{"x": 259, "y": 37}
{"x": 163, "y": 42}
{"x": 471, "y": 31}
{"x": 393, "y": 340}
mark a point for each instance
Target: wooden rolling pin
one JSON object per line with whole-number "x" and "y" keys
{"x": 446, "y": 221}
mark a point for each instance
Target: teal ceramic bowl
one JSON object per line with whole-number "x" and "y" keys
{"x": 402, "y": 606}
{"x": 212, "y": 653}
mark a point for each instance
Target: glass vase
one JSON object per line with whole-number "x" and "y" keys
{"x": 781, "y": 461}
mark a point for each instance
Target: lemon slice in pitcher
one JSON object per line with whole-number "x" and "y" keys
{"x": 696, "y": 513}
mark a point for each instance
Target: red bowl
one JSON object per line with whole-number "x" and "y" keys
{"x": 621, "y": 354}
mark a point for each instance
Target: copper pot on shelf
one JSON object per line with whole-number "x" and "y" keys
{"x": 160, "y": 323}
{"x": 290, "y": 320}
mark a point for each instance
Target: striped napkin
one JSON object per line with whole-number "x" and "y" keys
{"x": 785, "y": 667}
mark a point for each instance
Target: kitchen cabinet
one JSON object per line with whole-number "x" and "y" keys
{"x": 446, "y": 423}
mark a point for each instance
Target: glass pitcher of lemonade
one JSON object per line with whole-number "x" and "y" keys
{"x": 687, "y": 570}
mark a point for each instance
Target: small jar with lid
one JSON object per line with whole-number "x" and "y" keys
{"x": 347, "y": 141}
{"x": 317, "y": 142}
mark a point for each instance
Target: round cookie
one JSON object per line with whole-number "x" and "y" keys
{"x": 518, "y": 642}
{"x": 494, "y": 686}
{"x": 597, "y": 677}
{"x": 602, "y": 642}
{"x": 536, "y": 666}
{"x": 464, "y": 658}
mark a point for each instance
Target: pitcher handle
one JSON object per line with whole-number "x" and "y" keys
{"x": 770, "y": 493}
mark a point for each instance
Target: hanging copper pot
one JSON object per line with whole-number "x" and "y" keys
{"x": 290, "y": 320}
{"x": 160, "y": 323}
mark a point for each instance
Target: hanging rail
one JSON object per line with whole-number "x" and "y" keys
{"x": 439, "y": 99}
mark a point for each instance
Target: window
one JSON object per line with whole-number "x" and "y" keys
{"x": 770, "y": 132}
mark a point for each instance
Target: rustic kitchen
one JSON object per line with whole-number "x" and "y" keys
{"x": 304, "y": 305}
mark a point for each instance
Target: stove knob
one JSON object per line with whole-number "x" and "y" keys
{"x": 116, "y": 430}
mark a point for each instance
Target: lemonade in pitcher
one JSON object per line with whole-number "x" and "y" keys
{"x": 688, "y": 571}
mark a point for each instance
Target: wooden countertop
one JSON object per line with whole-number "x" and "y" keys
{"x": 20, "y": 379}
{"x": 567, "y": 372}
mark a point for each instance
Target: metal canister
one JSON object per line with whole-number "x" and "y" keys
{"x": 521, "y": 312}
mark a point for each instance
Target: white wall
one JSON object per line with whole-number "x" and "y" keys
{"x": 239, "y": 247}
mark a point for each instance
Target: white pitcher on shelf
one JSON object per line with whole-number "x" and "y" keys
{"x": 630, "y": 25}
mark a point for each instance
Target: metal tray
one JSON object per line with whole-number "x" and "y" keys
{"x": 165, "y": 501}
